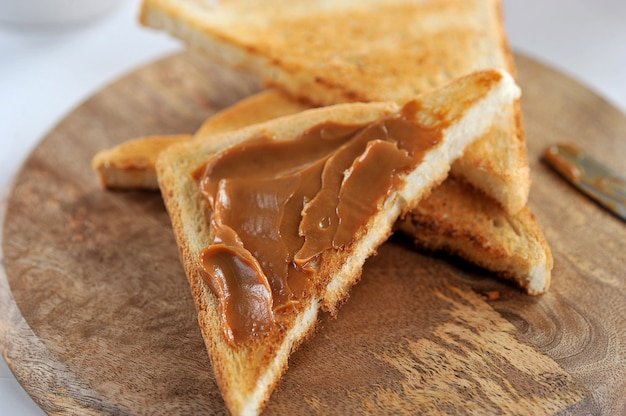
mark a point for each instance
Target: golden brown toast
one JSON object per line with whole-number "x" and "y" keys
{"x": 249, "y": 337}
{"x": 328, "y": 52}
{"x": 455, "y": 218}
{"x": 512, "y": 246}
{"x": 130, "y": 165}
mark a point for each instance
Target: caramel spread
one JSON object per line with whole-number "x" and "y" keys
{"x": 278, "y": 205}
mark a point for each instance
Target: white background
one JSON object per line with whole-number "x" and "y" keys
{"x": 46, "y": 72}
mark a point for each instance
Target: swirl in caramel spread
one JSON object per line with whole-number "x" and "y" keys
{"x": 278, "y": 205}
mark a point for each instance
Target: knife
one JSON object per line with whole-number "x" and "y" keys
{"x": 590, "y": 176}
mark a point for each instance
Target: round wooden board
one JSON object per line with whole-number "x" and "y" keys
{"x": 96, "y": 315}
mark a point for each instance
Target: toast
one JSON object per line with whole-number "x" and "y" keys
{"x": 455, "y": 218}
{"x": 511, "y": 246}
{"x": 131, "y": 165}
{"x": 346, "y": 51}
{"x": 253, "y": 322}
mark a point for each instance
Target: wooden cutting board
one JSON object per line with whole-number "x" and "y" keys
{"x": 96, "y": 316}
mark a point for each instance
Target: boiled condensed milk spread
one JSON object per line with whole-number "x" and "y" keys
{"x": 278, "y": 205}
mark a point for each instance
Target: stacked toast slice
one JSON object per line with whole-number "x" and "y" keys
{"x": 254, "y": 306}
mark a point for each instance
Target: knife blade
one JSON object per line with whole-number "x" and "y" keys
{"x": 589, "y": 176}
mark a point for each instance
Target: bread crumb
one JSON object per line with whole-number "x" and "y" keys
{"x": 492, "y": 295}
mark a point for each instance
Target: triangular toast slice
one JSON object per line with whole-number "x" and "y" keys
{"x": 329, "y": 52}
{"x": 260, "y": 272}
{"x": 512, "y": 246}
{"x": 479, "y": 229}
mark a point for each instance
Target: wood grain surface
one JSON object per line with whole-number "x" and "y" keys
{"x": 96, "y": 315}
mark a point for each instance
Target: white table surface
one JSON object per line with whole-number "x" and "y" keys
{"x": 46, "y": 72}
